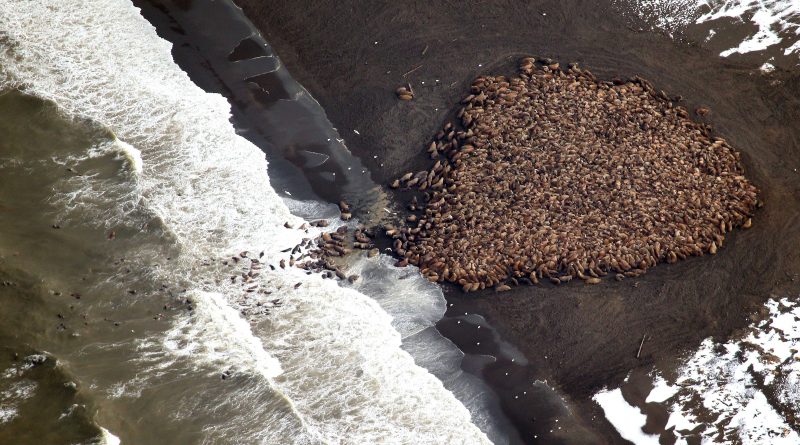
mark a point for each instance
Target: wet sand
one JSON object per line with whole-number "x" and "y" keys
{"x": 220, "y": 50}
{"x": 576, "y": 338}
{"x": 352, "y": 56}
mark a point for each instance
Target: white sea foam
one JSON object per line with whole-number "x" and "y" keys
{"x": 133, "y": 156}
{"x": 342, "y": 366}
{"x": 208, "y": 333}
{"x": 87, "y": 195}
{"x": 7, "y": 413}
{"x": 106, "y": 438}
{"x": 13, "y": 395}
{"x": 414, "y": 313}
{"x": 410, "y": 304}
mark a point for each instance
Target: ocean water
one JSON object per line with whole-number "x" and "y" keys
{"x": 41, "y": 400}
{"x": 125, "y": 189}
{"x": 122, "y": 226}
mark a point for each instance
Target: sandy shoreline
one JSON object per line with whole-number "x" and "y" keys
{"x": 353, "y": 56}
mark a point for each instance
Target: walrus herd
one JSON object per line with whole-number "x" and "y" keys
{"x": 554, "y": 174}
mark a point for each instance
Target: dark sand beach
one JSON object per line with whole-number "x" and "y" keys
{"x": 353, "y": 55}
{"x": 134, "y": 205}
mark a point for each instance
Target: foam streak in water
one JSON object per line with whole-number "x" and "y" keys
{"x": 343, "y": 368}
{"x": 208, "y": 331}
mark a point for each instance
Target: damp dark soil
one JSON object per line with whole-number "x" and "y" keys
{"x": 353, "y": 55}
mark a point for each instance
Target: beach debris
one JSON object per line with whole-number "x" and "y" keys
{"x": 111, "y": 235}
{"x": 553, "y": 174}
{"x": 639, "y": 352}
{"x": 413, "y": 68}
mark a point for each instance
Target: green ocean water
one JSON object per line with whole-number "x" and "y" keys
{"x": 78, "y": 294}
{"x": 42, "y": 262}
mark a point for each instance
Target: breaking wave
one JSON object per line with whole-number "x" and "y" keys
{"x": 327, "y": 359}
